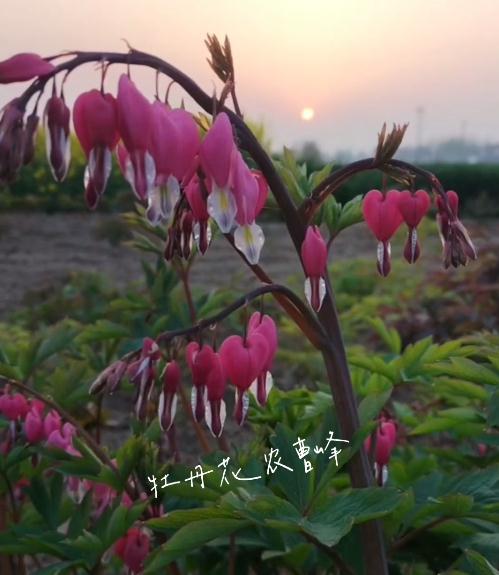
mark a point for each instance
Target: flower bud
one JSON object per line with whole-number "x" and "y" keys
{"x": 215, "y": 386}
{"x": 413, "y": 208}
{"x": 11, "y": 141}
{"x": 264, "y": 325}
{"x": 314, "y": 259}
{"x": 167, "y": 406}
{"x": 22, "y": 67}
{"x": 57, "y": 140}
{"x": 33, "y": 426}
{"x": 30, "y": 132}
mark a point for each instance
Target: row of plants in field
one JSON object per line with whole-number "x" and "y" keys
{"x": 35, "y": 190}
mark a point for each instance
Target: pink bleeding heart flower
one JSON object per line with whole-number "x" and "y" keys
{"x": 216, "y": 383}
{"x": 197, "y": 202}
{"x": 186, "y": 159}
{"x": 265, "y": 326}
{"x": 13, "y": 407}
{"x": 133, "y": 549}
{"x": 24, "y": 66}
{"x": 383, "y": 217}
{"x": 314, "y": 259}
{"x": 458, "y": 248}
{"x": 142, "y": 374}
{"x": 243, "y": 361}
{"x": 216, "y": 155}
{"x": 386, "y": 439}
{"x": 413, "y": 208}
{"x": 165, "y": 144}
{"x": 248, "y": 236}
{"x": 12, "y": 137}
{"x": 63, "y": 439}
{"x": 102, "y": 496}
{"x": 57, "y": 140}
{"x": 135, "y": 124}
{"x": 167, "y": 406}
{"x": 34, "y": 425}
{"x": 200, "y": 360}
{"x": 175, "y": 145}
{"x": 95, "y": 119}
{"x": 52, "y": 422}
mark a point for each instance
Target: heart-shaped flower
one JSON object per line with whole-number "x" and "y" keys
{"x": 383, "y": 217}
{"x": 413, "y": 208}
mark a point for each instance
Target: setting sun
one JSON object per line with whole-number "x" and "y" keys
{"x": 307, "y": 114}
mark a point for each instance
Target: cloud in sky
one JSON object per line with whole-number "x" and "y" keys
{"x": 355, "y": 63}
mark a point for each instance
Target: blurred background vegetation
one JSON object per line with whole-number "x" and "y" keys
{"x": 477, "y": 184}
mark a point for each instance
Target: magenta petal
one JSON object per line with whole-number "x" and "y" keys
{"x": 135, "y": 117}
{"x": 95, "y": 120}
{"x": 314, "y": 252}
{"x": 246, "y": 191}
{"x": 216, "y": 150}
{"x": 382, "y": 214}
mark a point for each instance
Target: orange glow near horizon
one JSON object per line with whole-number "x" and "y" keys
{"x": 360, "y": 63}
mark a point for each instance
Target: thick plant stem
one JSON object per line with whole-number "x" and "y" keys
{"x": 346, "y": 409}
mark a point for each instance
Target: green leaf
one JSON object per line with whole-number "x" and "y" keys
{"x": 180, "y": 517}
{"x": 434, "y": 425}
{"x": 102, "y": 330}
{"x": 479, "y": 565}
{"x": 59, "y": 568}
{"x": 190, "y": 538}
{"x": 390, "y": 336}
{"x": 467, "y": 369}
{"x": 493, "y": 414}
{"x": 56, "y": 343}
{"x": 296, "y": 484}
{"x": 351, "y": 213}
{"x": 332, "y": 521}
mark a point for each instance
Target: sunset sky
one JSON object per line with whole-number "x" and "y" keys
{"x": 356, "y": 63}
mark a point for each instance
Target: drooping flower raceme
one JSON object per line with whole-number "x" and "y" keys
{"x": 135, "y": 124}
{"x": 382, "y": 215}
{"x": 314, "y": 259}
{"x": 413, "y": 208}
{"x": 95, "y": 120}
{"x": 57, "y": 140}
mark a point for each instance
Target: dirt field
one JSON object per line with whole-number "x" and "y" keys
{"x": 37, "y": 251}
